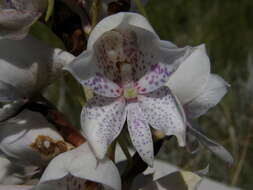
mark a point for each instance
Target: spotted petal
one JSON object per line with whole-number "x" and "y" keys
{"x": 140, "y": 133}
{"x": 126, "y": 44}
{"x": 16, "y": 17}
{"x": 111, "y": 22}
{"x": 15, "y": 24}
{"x": 72, "y": 169}
{"x": 163, "y": 112}
{"x": 168, "y": 59}
{"x": 85, "y": 69}
{"x": 213, "y": 92}
{"x": 102, "y": 120}
{"x": 192, "y": 75}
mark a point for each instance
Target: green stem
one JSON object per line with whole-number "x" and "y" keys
{"x": 232, "y": 126}
{"x": 124, "y": 147}
{"x": 241, "y": 161}
{"x": 95, "y": 9}
{"x": 141, "y": 8}
{"x": 111, "y": 151}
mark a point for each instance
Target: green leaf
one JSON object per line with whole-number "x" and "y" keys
{"x": 45, "y": 34}
{"x": 50, "y": 9}
{"x": 140, "y": 7}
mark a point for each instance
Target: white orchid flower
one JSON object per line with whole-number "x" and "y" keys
{"x": 196, "y": 88}
{"x": 127, "y": 66}
{"x": 77, "y": 169}
{"x": 30, "y": 140}
{"x": 26, "y": 67}
{"x": 16, "y": 16}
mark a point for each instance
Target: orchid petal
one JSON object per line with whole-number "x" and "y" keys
{"x": 191, "y": 76}
{"x": 16, "y": 17}
{"x": 213, "y": 92}
{"x": 213, "y": 146}
{"x": 140, "y": 133}
{"x": 168, "y": 60}
{"x": 34, "y": 66}
{"x": 80, "y": 165}
{"x": 30, "y": 139}
{"x": 162, "y": 111}
{"x": 102, "y": 119}
{"x": 84, "y": 66}
{"x": 111, "y": 22}
{"x": 15, "y": 24}
{"x": 84, "y": 69}
{"x": 102, "y": 86}
{"x": 126, "y": 44}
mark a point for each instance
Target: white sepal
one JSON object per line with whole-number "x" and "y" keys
{"x": 213, "y": 92}
{"x": 188, "y": 81}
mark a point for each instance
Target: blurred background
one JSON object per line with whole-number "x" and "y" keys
{"x": 226, "y": 27}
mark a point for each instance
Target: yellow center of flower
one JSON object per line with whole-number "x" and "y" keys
{"x": 130, "y": 93}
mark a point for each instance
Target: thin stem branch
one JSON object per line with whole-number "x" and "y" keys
{"x": 138, "y": 166}
{"x": 241, "y": 162}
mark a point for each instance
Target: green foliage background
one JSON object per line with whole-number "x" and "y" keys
{"x": 226, "y": 27}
